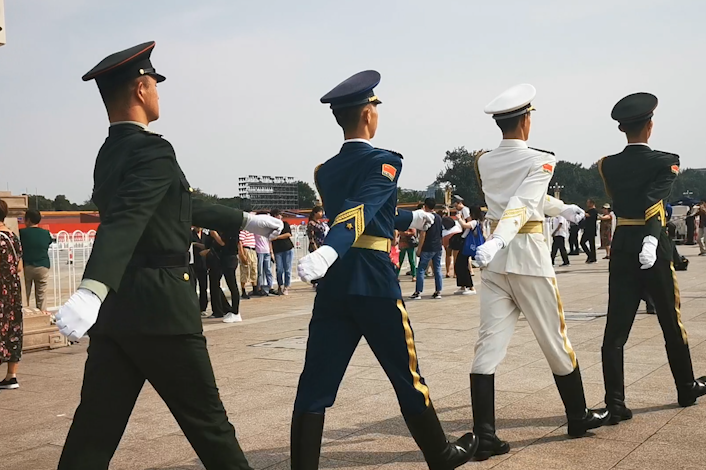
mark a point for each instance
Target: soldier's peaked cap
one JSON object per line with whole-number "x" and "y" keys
{"x": 634, "y": 107}
{"x": 354, "y": 91}
{"x": 124, "y": 65}
{"x": 515, "y": 101}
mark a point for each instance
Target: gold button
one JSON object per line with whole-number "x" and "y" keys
{"x": 186, "y": 277}
{"x": 191, "y": 190}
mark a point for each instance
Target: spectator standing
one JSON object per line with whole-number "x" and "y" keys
{"x": 264, "y": 266}
{"x": 229, "y": 242}
{"x": 316, "y": 231}
{"x": 10, "y": 301}
{"x": 701, "y": 236}
{"x": 283, "y": 249}
{"x": 214, "y": 251}
{"x": 35, "y": 245}
{"x": 607, "y": 220}
{"x": 200, "y": 275}
{"x": 430, "y": 250}
{"x": 559, "y": 235}
{"x": 462, "y": 268}
{"x": 691, "y": 225}
{"x": 573, "y": 239}
{"x": 409, "y": 241}
{"x": 248, "y": 262}
{"x": 588, "y": 240}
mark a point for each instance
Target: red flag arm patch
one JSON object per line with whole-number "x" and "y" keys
{"x": 389, "y": 171}
{"x": 675, "y": 169}
{"x": 548, "y": 168}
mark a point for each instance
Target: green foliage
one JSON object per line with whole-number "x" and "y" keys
{"x": 40, "y": 203}
{"x": 307, "y": 195}
{"x": 406, "y": 196}
{"x": 690, "y": 180}
{"x": 460, "y": 172}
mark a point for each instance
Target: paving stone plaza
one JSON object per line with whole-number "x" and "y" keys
{"x": 257, "y": 364}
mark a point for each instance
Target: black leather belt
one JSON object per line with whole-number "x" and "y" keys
{"x": 154, "y": 261}
{"x": 249, "y": 248}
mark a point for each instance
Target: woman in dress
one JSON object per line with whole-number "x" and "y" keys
{"x": 606, "y": 229}
{"x": 10, "y": 301}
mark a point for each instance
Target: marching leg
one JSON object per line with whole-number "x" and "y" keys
{"x": 483, "y": 403}
{"x": 333, "y": 337}
{"x": 387, "y": 329}
{"x": 539, "y": 300}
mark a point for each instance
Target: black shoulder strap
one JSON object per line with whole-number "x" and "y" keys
{"x": 544, "y": 151}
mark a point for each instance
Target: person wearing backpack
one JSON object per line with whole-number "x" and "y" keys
{"x": 473, "y": 232}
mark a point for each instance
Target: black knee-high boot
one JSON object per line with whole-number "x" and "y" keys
{"x": 483, "y": 404}
{"x": 305, "y": 446}
{"x": 580, "y": 418}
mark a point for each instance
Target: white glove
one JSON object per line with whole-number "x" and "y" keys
{"x": 487, "y": 251}
{"x": 314, "y": 265}
{"x": 573, "y": 213}
{"x": 78, "y": 314}
{"x": 648, "y": 255}
{"x": 421, "y": 220}
{"x": 264, "y": 225}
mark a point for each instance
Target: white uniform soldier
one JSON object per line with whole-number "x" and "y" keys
{"x": 517, "y": 274}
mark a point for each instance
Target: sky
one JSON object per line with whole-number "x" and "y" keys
{"x": 244, "y": 80}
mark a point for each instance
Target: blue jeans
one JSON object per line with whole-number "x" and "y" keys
{"x": 264, "y": 271}
{"x": 435, "y": 258}
{"x": 283, "y": 261}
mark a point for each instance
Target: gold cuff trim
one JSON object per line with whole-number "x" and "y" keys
{"x": 370, "y": 242}
{"x": 623, "y": 222}
{"x": 358, "y": 216}
{"x": 532, "y": 226}
{"x": 655, "y": 209}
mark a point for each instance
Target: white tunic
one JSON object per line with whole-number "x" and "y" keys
{"x": 515, "y": 179}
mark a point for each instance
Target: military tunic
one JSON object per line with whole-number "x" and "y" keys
{"x": 639, "y": 203}
{"x": 359, "y": 296}
{"x": 149, "y": 325}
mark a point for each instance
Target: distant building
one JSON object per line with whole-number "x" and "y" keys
{"x": 269, "y": 192}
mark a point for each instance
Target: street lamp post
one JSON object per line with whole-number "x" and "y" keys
{"x": 556, "y": 187}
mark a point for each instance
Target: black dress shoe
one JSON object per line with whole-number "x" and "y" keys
{"x": 439, "y": 453}
{"x": 488, "y": 446}
{"x": 688, "y": 395}
{"x": 619, "y": 413}
{"x": 592, "y": 419}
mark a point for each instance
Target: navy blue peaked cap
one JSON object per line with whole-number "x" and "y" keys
{"x": 354, "y": 91}
{"x": 635, "y": 107}
{"x": 124, "y": 65}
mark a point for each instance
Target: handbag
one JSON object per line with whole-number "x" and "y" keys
{"x": 473, "y": 241}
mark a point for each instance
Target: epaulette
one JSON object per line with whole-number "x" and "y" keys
{"x": 540, "y": 150}
{"x": 392, "y": 152}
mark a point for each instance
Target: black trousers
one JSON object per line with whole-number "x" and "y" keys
{"x": 219, "y": 302}
{"x": 559, "y": 244}
{"x": 574, "y": 239}
{"x": 463, "y": 273}
{"x": 588, "y": 244}
{"x": 625, "y": 288}
{"x": 336, "y": 327}
{"x": 179, "y": 368}
{"x": 201, "y": 276}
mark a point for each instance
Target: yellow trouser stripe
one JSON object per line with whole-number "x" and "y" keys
{"x": 560, "y": 307}
{"x": 412, "y": 352}
{"x": 677, "y": 305}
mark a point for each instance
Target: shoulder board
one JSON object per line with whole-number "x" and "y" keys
{"x": 392, "y": 152}
{"x": 540, "y": 150}
{"x": 666, "y": 154}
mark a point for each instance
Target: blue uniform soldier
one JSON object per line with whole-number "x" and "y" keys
{"x": 358, "y": 294}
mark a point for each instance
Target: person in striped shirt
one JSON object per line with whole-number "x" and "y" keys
{"x": 248, "y": 262}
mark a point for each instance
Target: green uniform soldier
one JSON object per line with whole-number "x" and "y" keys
{"x": 135, "y": 297}
{"x": 641, "y": 254}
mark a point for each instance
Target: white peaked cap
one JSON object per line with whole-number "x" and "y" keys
{"x": 512, "y": 102}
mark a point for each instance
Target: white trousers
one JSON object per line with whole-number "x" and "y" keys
{"x": 502, "y": 298}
